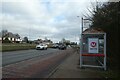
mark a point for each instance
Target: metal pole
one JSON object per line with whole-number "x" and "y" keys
{"x": 80, "y": 41}
{"x": 81, "y": 52}
{"x": 105, "y": 51}
{"x": 82, "y": 25}
{"x": 81, "y": 46}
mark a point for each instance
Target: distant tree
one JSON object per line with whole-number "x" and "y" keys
{"x": 4, "y": 32}
{"x": 63, "y": 40}
{"x": 73, "y": 43}
{"x": 50, "y": 41}
{"x": 67, "y": 42}
{"x": 46, "y": 38}
{"x": 26, "y": 39}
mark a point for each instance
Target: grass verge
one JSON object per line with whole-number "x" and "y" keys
{"x": 14, "y": 47}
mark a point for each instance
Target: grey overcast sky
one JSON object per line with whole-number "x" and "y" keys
{"x": 54, "y": 19}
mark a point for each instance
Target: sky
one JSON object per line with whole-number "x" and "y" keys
{"x": 54, "y": 19}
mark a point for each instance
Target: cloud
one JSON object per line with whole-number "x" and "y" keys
{"x": 55, "y": 19}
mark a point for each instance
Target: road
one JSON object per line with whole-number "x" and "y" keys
{"x": 17, "y": 56}
{"x": 32, "y": 63}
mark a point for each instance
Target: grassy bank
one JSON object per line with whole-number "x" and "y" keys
{"x": 15, "y": 46}
{"x": 110, "y": 74}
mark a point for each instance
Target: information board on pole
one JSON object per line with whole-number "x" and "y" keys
{"x": 93, "y": 45}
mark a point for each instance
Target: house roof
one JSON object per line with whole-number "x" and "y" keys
{"x": 16, "y": 36}
{"x": 9, "y": 34}
{"x": 93, "y": 30}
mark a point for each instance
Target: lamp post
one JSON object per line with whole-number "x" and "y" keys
{"x": 82, "y": 24}
{"x": 80, "y": 43}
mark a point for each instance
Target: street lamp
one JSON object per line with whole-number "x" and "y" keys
{"x": 82, "y": 24}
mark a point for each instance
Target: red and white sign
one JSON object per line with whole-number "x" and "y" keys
{"x": 93, "y": 45}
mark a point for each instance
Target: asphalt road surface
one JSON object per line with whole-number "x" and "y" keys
{"x": 17, "y": 56}
{"x": 32, "y": 63}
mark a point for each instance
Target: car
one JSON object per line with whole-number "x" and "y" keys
{"x": 55, "y": 46}
{"x": 41, "y": 46}
{"x": 62, "y": 46}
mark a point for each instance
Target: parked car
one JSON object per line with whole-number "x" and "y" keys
{"x": 55, "y": 46}
{"x": 62, "y": 46}
{"x": 41, "y": 46}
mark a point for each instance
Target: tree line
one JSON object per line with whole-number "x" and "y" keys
{"x": 106, "y": 16}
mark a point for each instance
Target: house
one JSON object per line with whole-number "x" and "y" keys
{"x": 10, "y": 36}
{"x": 17, "y": 38}
{"x": 14, "y": 38}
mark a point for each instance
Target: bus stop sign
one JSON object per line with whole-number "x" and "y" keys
{"x": 93, "y": 45}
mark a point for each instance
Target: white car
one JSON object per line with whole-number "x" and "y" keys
{"x": 41, "y": 46}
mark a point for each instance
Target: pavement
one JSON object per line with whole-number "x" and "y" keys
{"x": 69, "y": 68}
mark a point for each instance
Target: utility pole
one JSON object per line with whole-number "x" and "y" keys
{"x": 82, "y": 25}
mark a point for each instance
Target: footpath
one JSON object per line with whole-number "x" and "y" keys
{"x": 70, "y": 69}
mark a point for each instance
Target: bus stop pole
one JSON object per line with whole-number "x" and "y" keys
{"x": 81, "y": 51}
{"x": 105, "y": 51}
{"x": 81, "y": 42}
